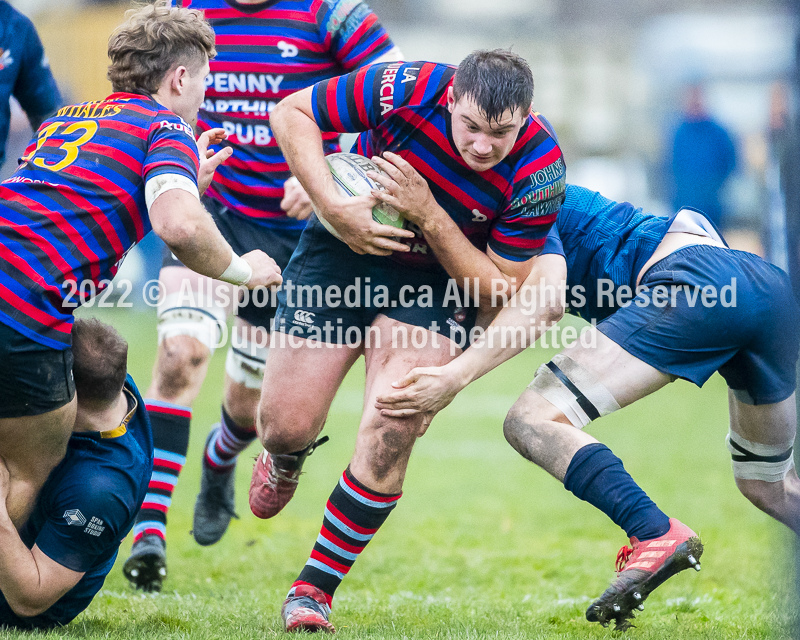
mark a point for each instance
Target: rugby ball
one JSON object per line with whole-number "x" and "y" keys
{"x": 349, "y": 171}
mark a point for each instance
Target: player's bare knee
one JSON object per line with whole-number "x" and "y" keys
{"x": 520, "y": 422}
{"x": 181, "y": 361}
{"x": 286, "y": 432}
{"x": 286, "y": 439}
{"x": 183, "y": 352}
{"x": 397, "y": 435}
{"x": 530, "y": 423}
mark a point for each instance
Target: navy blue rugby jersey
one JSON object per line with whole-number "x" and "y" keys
{"x": 605, "y": 241}
{"x": 24, "y": 71}
{"x": 87, "y": 506}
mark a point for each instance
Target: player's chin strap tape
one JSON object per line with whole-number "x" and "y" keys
{"x": 754, "y": 461}
{"x": 574, "y": 390}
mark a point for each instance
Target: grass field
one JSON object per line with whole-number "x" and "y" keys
{"x": 482, "y": 545}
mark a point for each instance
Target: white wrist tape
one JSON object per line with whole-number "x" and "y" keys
{"x": 166, "y": 181}
{"x": 238, "y": 271}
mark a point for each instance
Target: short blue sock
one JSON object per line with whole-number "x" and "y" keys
{"x": 597, "y": 476}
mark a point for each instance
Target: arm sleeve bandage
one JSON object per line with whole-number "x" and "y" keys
{"x": 164, "y": 182}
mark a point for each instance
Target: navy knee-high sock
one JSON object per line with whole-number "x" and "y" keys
{"x": 597, "y": 476}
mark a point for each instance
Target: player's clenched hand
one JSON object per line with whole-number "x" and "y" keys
{"x": 210, "y": 160}
{"x": 295, "y": 202}
{"x": 353, "y": 221}
{"x": 425, "y": 390}
{"x": 406, "y": 190}
{"x": 266, "y": 272}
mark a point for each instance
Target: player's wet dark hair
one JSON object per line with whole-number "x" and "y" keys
{"x": 496, "y": 80}
{"x": 154, "y": 39}
{"x": 100, "y": 361}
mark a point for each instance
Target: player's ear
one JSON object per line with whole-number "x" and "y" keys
{"x": 451, "y": 101}
{"x": 179, "y": 77}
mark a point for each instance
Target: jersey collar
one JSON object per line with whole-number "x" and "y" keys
{"x": 122, "y": 429}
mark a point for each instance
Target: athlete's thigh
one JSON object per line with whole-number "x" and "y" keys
{"x": 383, "y": 445}
{"x": 625, "y": 376}
{"x": 768, "y": 424}
{"x": 301, "y": 378}
{"x": 31, "y": 446}
{"x": 394, "y": 349}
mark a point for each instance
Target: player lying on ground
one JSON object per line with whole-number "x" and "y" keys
{"x": 52, "y": 568}
{"x": 279, "y": 48}
{"x": 95, "y": 180}
{"x": 461, "y": 147}
{"x": 683, "y": 324}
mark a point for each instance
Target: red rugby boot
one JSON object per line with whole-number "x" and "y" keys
{"x": 641, "y": 569}
{"x": 275, "y": 478}
{"x": 306, "y": 609}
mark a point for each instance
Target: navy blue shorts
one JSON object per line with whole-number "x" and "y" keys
{"x": 34, "y": 379}
{"x": 332, "y": 294}
{"x": 750, "y": 334}
{"x": 246, "y": 235}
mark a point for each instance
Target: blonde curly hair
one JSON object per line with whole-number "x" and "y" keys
{"x": 154, "y": 39}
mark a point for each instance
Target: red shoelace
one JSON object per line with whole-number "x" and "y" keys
{"x": 622, "y": 557}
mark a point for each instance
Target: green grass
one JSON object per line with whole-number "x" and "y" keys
{"x": 482, "y": 545}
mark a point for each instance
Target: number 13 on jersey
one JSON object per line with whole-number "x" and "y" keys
{"x": 71, "y": 135}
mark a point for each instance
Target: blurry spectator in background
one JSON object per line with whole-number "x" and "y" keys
{"x": 24, "y": 72}
{"x": 784, "y": 182}
{"x": 701, "y": 158}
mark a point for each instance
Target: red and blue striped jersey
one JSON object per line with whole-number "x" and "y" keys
{"x": 402, "y": 108}
{"x": 76, "y": 205}
{"x": 266, "y": 52}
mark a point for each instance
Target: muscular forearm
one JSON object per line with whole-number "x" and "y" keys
{"x": 191, "y": 235}
{"x": 461, "y": 259}
{"x": 530, "y": 312}
{"x": 20, "y": 581}
{"x": 517, "y": 326}
{"x": 511, "y": 333}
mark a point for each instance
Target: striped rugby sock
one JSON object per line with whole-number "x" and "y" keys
{"x": 352, "y": 516}
{"x": 171, "y": 442}
{"x": 227, "y": 443}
